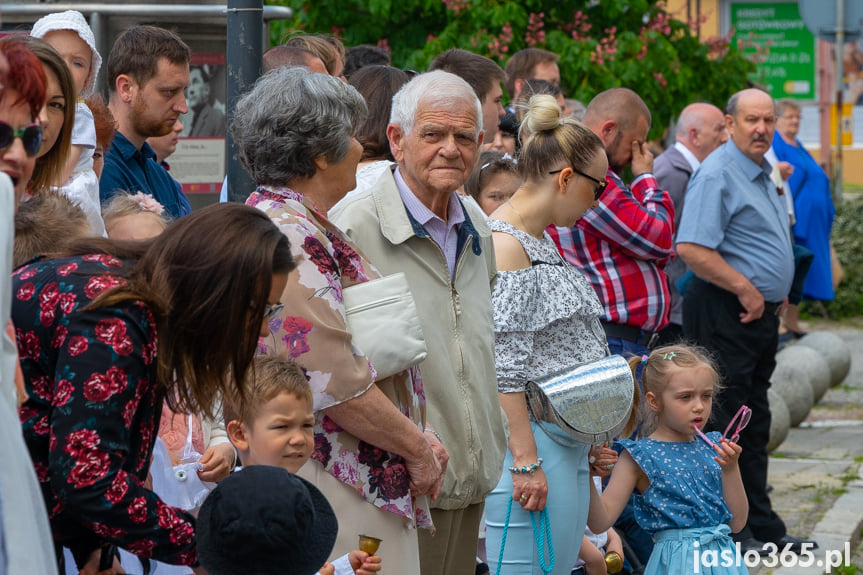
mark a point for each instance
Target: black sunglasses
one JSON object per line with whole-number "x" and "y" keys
{"x": 600, "y": 184}
{"x": 31, "y": 137}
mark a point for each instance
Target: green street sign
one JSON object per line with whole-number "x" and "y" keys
{"x": 774, "y": 36}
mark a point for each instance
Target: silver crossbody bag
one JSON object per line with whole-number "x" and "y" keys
{"x": 590, "y": 402}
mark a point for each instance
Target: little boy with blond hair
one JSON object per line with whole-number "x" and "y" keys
{"x": 273, "y": 424}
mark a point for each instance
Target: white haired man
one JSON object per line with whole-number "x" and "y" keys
{"x": 413, "y": 221}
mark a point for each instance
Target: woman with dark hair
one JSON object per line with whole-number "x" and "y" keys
{"x": 296, "y": 135}
{"x": 377, "y": 85}
{"x": 57, "y": 117}
{"x": 107, "y": 333}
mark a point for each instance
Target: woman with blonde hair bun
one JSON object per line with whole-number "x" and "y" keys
{"x": 546, "y": 318}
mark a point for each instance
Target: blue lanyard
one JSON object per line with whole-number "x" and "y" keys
{"x": 541, "y": 534}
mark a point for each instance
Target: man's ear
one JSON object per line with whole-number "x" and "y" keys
{"x": 125, "y": 88}
{"x": 517, "y": 86}
{"x": 396, "y": 136}
{"x": 238, "y": 435}
{"x": 694, "y": 136}
{"x": 607, "y": 131}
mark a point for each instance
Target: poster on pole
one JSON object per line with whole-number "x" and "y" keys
{"x": 773, "y": 35}
{"x": 199, "y": 160}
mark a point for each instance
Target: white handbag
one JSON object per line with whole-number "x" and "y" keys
{"x": 383, "y": 320}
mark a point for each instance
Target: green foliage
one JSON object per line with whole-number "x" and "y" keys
{"x": 847, "y": 237}
{"x": 631, "y": 43}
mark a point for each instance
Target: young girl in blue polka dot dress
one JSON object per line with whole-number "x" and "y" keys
{"x": 689, "y": 494}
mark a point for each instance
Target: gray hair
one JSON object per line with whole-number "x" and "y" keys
{"x": 289, "y": 118}
{"x": 437, "y": 89}
{"x": 731, "y": 108}
{"x": 783, "y": 106}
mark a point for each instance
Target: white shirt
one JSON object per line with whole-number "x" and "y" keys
{"x": 690, "y": 157}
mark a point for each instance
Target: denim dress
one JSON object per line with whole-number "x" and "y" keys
{"x": 684, "y": 509}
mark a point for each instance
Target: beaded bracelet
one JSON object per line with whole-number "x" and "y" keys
{"x": 527, "y": 468}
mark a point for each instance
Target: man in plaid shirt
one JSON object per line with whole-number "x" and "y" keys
{"x": 623, "y": 244}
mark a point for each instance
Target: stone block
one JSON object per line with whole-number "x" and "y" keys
{"x": 811, "y": 363}
{"x": 780, "y": 420}
{"x": 833, "y": 349}
{"x": 796, "y": 391}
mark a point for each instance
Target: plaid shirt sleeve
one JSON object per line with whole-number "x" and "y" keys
{"x": 621, "y": 247}
{"x": 638, "y": 221}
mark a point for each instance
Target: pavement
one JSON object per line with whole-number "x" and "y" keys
{"x": 817, "y": 477}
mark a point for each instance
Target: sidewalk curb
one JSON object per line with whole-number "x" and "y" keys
{"x": 840, "y": 525}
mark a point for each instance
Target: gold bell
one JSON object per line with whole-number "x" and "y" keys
{"x": 613, "y": 562}
{"x": 370, "y": 544}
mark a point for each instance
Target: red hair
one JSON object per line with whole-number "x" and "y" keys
{"x": 26, "y": 75}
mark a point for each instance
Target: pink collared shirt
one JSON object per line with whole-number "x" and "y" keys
{"x": 444, "y": 233}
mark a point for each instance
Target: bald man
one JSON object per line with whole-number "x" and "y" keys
{"x": 734, "y": 235}
{"x": 622, "y": 245}
{"x": 700, "y": 130}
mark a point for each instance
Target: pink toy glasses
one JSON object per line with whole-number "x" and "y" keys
{"x": 738, "y": 423}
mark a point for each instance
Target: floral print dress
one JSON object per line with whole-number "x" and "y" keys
{"x": 313, "y": 331}
{"x": 92, "y": 410}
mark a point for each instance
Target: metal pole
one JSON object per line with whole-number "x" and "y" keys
{"x": 245, "y": 40}
{"x": 30, "y": 12}
{"x": 97, "y": 25}
{"x": 840, "y": 41}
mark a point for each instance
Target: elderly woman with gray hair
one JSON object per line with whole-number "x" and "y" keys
{"x": 372, "y": 457}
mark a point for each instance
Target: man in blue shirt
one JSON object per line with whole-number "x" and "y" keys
{"x": 148, "y": 72}
{"x": 734, "y": 236}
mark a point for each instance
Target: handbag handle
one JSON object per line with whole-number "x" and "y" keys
{"x": 539, "y": 536}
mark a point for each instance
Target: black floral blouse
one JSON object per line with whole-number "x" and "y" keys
{"x": 92, "y": 410}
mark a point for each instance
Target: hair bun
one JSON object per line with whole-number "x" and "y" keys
{"x": 543, "y": 114}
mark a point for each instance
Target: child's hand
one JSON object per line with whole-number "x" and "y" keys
{"x": 594, "y": 561}
{"x": 614, "y": 543}
{"x": 217, "y": 462}
{"x": 364, "y": 564}
{"x": 327, "y": 569}
{"x": 602, "y": 460}
{"x": 728, "y": 454}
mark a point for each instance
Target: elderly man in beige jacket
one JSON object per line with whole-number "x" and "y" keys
{"x": 413, "y": 221}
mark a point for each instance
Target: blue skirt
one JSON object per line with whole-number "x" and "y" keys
{"x": 699, "y": 550}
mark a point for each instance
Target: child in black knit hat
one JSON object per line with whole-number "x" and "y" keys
{"x": 272, "y": 426}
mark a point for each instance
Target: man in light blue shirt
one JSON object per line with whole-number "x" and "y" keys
{"x": 734, "y": 236}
